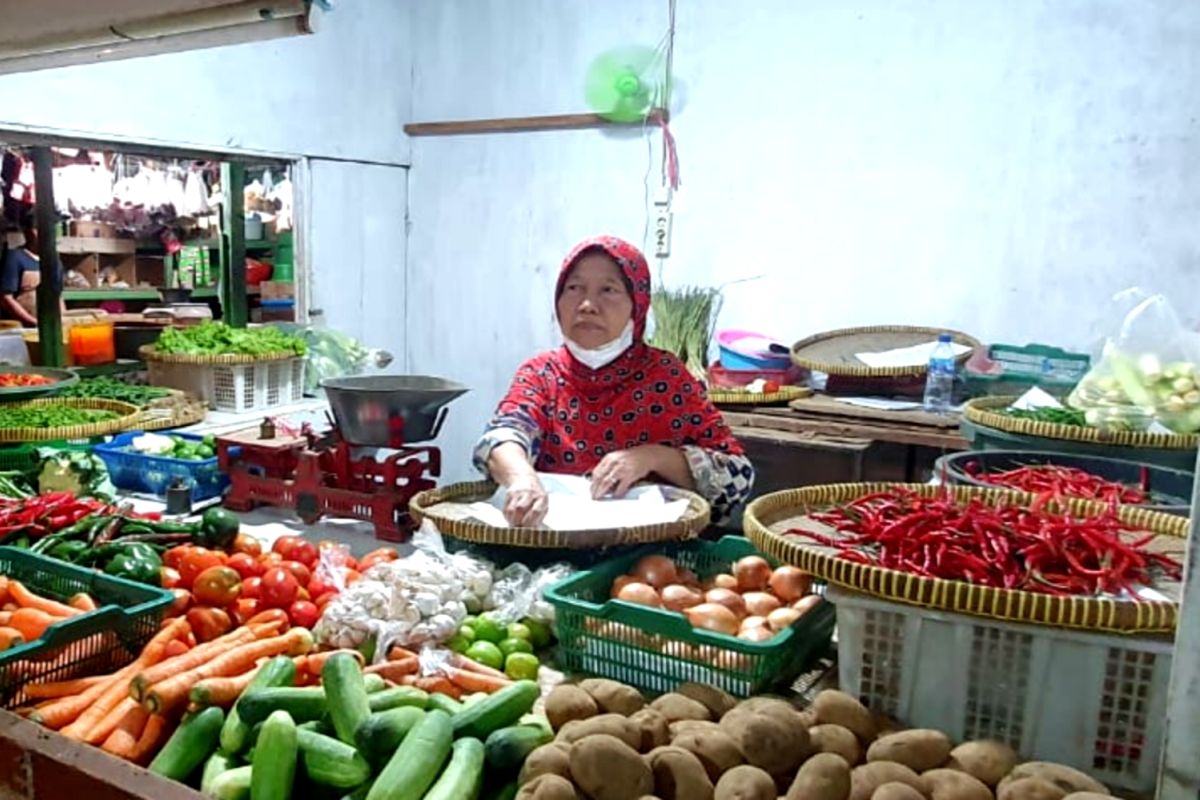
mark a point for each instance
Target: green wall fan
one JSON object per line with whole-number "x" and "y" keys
{"x": 626, "y": 83}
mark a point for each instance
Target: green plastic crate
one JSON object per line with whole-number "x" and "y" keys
{"x": 95, "y": 643}
{"x": 1051, "y": 368}
{"x": 650, "y": 648}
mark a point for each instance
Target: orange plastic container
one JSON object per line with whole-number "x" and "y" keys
{"x": 92, "y": 343}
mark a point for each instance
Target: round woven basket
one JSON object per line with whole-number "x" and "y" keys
{"x": 985, "y": 411}
{"x": 127, "y": 418}
{"x": 768, "y": 518}
{"x": 740, "y": 397}
{"x": 148, "y": 352}
{"x": 454, "y": 520}
{"x": 833, "y": 352}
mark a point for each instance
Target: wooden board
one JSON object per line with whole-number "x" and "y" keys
{"x": 848, "y": 428}
{"x": 95, "y": 244}
{"x": 826, "y": 405}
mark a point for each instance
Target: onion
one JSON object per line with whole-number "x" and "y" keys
{"x": 724, "y": 581}
{"x": 806, "y": 604}
{"x": 688, "y": 578}
{"x": 713, "y": 617}
{"x": 657, "y": 571}
{"x": 760, "y": 604}
{"x": 620, "y": 583}
{"x": 790, "y": 584}
{"x": 639, "y": 593}
{"x": 752, "y": 574}
{"x": 676, "y": 597}
{"x": 759, "y": 634}
{"x": 782, "y": 618}
{"x": 753, "y": 622}
{"x": 728, "y": 598}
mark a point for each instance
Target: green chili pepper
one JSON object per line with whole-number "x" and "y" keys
{"x": 69, "y": 551}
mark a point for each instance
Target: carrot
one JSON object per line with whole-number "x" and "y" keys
{"x": 193, "y": 658}
{"x": 315, "y": 662}
{"x": 395, "y": 670}
{"x": 10, "y": 637}
{"x": 124, "y": 737}
{"x": 471, "y": 682}
{"x": 4, "y": 589}
{"x": 174, "y": 648}
{"x": 56, "y": 689}
{"x": 220, "y": 691}
{"x": 396, "y": 653}
{"x": 28, "y": 599}
{"x": 113, "y": 693}
{"x": 111, "y": 721}
{"x": 32, "y": 622}
{"x": 172, "y": 692}
{"x": 470, "y": 665}
{"x": 82, "y": 601}
{"x": 152, "y": 738}
{"x": 5, "y": 617}
{"x": 438, "y": 684}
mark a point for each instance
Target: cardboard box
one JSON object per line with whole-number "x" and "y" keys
{"x": 278, "y": 290}
{"x": 93, "y": 230}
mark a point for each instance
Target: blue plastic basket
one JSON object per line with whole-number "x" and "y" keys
{"x": 140, "y": 472}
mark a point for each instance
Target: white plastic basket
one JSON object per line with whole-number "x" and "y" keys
{"x": 1092, "y": 701}
{"x": 257, "y": 386}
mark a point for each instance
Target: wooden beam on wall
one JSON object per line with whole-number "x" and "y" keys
{"x": 552, "y": 122}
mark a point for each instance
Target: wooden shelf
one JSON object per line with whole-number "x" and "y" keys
{"x": 77, "y": 245}
{"x": 152, "y": 246}
{"x": 130, "y": 294}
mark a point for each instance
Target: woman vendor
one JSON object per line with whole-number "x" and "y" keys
{"x": 20, "y": 275}
{"x": 606, "y": 404}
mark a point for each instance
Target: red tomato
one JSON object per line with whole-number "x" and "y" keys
{"x": 371, "y": 559}
{"x": 174, "y": 557}
{"x": 303, "y": 614}
{"x": 181, "y": 603}
{"x": 284, "y": 546}
{"x": 217, "y": 586}
{"x": 269, "y": 560}
{"x": 302, "y": 573}
{"x": 305, "y": 552}
{"x": 245, "y": 609}
{"x": 195, "y": 562}
{"x": 319, "y": 586}
{"x": 252, "y": 588}
{"x": 245, "y": 543}
{"x": 279, "y": 588}
{"x": 246, "y": 565}
{"x": 169, "y": 577}
{"x": 208, "y": 623}
{"x": 270, "y": 615}
{"x": 382, "y": 554}
{"x": 770, "y": 387}
{"x": 322, "y": 599}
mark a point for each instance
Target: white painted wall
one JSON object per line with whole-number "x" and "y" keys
{"x": 999, "y": 167}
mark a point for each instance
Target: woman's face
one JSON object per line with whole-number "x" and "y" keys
{"x": 594, "y": 305}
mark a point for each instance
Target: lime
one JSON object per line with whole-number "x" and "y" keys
{"x": 518, "y": 630}
{"x": 204, "y": 451}
{"x": 487, "y": 629}
{"x": 210, "y": 441}
{"x": 510, "y": 646}
{"x": 466, "y": 632}
{"x": 487, "y": 654}
{"x": 521, "y": 666}
{"x": 470, "y": 620}
{"x": 539, "y": 633}
{"x": 459, "y": 644}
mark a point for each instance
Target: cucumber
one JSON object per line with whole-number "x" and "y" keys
{"x": 508, "y": 747}
{"x": 330, "y": 762}
{"x": 497, "y": 711}
{"x": 279, "y": 671}
{"x": 417, "y": 761}
{"x": 273, "y": 770}
{"x": 507, "y": 792}
{"x": 375, "y": 683}
{"x": 217, "y": 764}
{"x": 396, "y": 697}
{"x": 303, "y": 703}
{"x": 380, "y": 734}
{"x": 463, "y": 777}
{"x": 233, "y": 784}
{"x": 345, "y": 694}
{"x": 190, "y": 745}
{"x": 320, "y": 726}
{"x": 444, "y": 702}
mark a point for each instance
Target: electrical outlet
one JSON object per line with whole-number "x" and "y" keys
{"x": 662, "y": 230}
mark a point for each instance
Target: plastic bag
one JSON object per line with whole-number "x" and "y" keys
{"x": 1147, "y": 377}
{"x": 332, "y": 354}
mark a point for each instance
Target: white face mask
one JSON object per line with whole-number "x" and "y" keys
{"x": 605, "y": 354}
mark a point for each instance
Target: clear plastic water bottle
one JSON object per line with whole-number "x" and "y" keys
{"x": 939, "y": 381}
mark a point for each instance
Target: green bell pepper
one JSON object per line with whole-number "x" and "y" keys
{"x": 136, "y": 562}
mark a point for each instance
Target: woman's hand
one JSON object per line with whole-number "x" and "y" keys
{"x": 525, "y": 502}
{"x": 618, "y": 471}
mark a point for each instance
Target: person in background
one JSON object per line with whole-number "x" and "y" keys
{"x": 606, "y": 404}
{"x": 20, "y": 274}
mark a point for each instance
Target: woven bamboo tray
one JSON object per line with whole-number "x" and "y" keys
{"x": 454, "y": 521}
{"x": 985, "y": 411}
{"x": 128, "y": 417}
{"x": 154, "y": 418}
{"x": 768, "y": 518}
{"x": 832, "y": 352}
{"x": 741, "y": 397}
{"x": 148, "y": 352}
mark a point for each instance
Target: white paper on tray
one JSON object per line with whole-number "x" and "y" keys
{"x": 915, "y": 356}
{"x": 880, "y": 403}
{"x": 1034, "y": 399}
{"x": 571, "y": 507}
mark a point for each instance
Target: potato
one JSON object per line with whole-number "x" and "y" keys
{"x": 716, "y": 750}
{"x": 986, "y": 760}
{"x": 838, "y": 708}
{"x": 745, "y": 783}
{"x": 653, "y": 727}
{"x": 612, "y": 724}
{"x": 549, "y": 759}
{"x": 836, "y": 739}
{"x": 613, "y": 697}
{"x": 567, "y": 703}
{"x": 678, "y": 774}
{"x": 676, "y": 707}
{"x": 885, "y": 724}
{"x": 1088, "y": 796}
{"x": 825, "y": 776}
{"x": 717, "y": 701}
{"x": 606, "y": 768}
{"x": 1028, "y": 789}
{"x": 897, "y": 791}
{"x": 1066, "y": 778}
{"x": 920, "y": 749}
{"x": 765, "y": 741}
{"x": 865, "y": 779}
{"x": 691, "y": 726}
{"x": 809, "y": 717}
{"x": 950, "y": 784}
{"x": 548, "y": 787}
